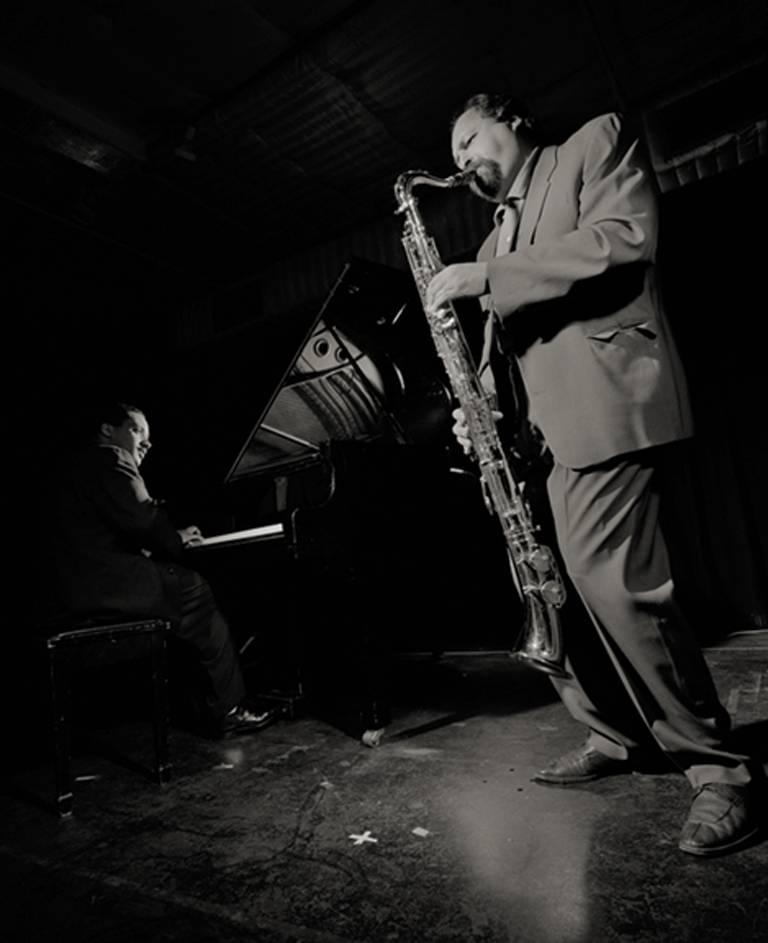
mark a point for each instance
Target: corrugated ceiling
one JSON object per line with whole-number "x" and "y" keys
{"x": 235, "y": 138}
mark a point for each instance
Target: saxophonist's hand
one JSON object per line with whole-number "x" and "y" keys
{"x": 461, "y": 430}
{"x": 461, "y": 280}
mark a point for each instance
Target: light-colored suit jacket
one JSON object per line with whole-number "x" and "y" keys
{"x": 577, "y": 302}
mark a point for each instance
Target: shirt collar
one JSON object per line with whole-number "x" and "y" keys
{"x": 516, "y": 193}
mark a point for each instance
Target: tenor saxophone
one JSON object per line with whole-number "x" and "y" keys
{"x": 534, "y": 567}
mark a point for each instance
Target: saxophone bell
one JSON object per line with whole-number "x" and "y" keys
{"x": 540, "y": 643}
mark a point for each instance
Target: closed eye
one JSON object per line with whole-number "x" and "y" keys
{"x": 463, "y": 145}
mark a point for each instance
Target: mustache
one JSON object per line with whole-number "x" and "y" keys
{"x": 486, "y": 178}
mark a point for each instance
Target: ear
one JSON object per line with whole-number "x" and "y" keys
{"x": 106, "y": 430}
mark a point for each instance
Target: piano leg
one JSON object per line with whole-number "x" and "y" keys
{"x": 373, "y": 735}
{"x": 371, "y": 665}
{"x": 346, "y": 651}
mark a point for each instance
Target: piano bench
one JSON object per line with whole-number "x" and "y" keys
{"x": 90, "y": 645}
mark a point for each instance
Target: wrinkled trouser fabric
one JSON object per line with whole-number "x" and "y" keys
{"x": 201, "y": 625}
{"x": 609, "y": 532}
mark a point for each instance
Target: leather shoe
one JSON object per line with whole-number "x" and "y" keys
{"x": 581, "y": 765}
{"x": 243, "y": 721}
{"x": 720, "y": 820}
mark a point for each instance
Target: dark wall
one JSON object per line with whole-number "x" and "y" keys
{"x": 85, "y": 317}
{"x": 81, "y": 314}
{"x": 713, "y": 268}
{"x": 81, "y": 318}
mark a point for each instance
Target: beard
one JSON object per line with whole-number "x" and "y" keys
{"x": 487, "y": 180}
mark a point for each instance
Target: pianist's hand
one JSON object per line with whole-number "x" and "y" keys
{"x": 461, "y": 430}
{"x": 191, "y": 536}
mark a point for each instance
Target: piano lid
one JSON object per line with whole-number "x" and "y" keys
{"x": 343, "y": 382}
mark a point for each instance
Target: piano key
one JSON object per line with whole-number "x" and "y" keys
{"x": 250, "y": 535}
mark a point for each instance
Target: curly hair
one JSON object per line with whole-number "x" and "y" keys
{"x": 500, "y": 107}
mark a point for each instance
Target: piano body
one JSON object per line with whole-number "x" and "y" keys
{"x": 342, "y": 532}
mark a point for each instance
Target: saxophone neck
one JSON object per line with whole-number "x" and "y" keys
{"x": 411, "y": 178}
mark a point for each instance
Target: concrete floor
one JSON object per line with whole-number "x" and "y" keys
{"x": 300, "y": 833}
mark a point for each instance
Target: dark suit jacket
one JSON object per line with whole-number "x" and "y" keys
{"x": 578, "y": 302}
{"x": 100, "y": 522}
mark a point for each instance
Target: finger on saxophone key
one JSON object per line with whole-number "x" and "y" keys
{"x": 431, "y": 293}
{"x": 460, "y": 428}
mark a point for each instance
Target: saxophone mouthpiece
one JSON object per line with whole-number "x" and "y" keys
{"x": 462, "y": 179}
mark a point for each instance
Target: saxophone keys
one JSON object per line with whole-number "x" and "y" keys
{"x": 553, "y": 593}
{"x": 541, "y": 559}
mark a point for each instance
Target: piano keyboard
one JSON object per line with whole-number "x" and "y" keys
{"x": 251, "y": 535}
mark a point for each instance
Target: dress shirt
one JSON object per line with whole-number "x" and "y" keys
{"x": 507, "y": 215}
{"x": 507, "y": 218}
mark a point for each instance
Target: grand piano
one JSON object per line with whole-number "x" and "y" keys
{"x": 346, "y": 526}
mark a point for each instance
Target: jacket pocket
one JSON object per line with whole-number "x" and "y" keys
{"x": 629, "y": 356}
{"x": 644, "y": 329}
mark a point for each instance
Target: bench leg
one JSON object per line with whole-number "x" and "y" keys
{"x": 160, "y": 707}
{"x": 61, "y": 704}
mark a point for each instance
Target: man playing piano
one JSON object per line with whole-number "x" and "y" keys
{"x": 115, "y": 553}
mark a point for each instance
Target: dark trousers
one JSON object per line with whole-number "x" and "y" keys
{"x": 202, "y": 625}
{"x": 609, "y": 530}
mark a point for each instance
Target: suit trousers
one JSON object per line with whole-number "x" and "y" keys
{"x": 202, "y": 625}
{"x": 642, "y": 681}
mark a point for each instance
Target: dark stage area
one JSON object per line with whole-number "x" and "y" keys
{"x": 199, "y": 211}
{"x": 300, "y": 833}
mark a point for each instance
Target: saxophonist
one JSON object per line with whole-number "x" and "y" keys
{"x": 567, "y": 278}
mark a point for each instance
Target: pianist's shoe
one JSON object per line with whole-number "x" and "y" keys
{"x": 241, "y": 721}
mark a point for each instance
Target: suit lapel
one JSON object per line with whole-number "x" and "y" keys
{"x": 532, "y": 208}
{"x": 487, "y": 251}
{"x": 537, "y": 194}
{"x": 488, "y": 248}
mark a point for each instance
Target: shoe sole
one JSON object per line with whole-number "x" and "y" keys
{"x": 569, "y": 780}
{"x": 702, "y": 852}
{"x": 245, "y": 730}
{"x": 552, "y": 779}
